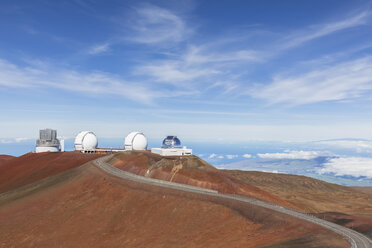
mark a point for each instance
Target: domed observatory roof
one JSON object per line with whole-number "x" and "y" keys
{"x": 86, "y": 140}
{"x": 135, "y": 141}
{"x": 171, "y": 142}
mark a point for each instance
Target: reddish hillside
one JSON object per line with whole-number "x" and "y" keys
{"x": 32, "y": 167}
{"x": 340, "y": 204}
{"x": 4, "y": 158}
{"x": 85, "y": 207}
{"x": 189, "y": 170}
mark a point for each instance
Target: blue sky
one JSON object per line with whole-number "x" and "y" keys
{"x": 242, "y": 70}
{"x": 208, "y": 71}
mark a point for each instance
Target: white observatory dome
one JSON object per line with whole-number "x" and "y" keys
{"x": 135, "y": 141}
{"x": 86, "y": 140}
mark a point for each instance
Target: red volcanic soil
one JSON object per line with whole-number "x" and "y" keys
{"x": 4, "y": 158}
{"x": 190, "y": 170}
{"x": 32, "y": 167}
{"x": 85, "y": 207}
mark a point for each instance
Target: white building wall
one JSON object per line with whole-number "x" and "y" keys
{"x": 172, "y": 151}
{"x": 46, "y": 149}
{"x": 62, "y": 145}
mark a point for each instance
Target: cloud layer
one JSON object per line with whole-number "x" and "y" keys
{"x": 307, "y": 155}
{"x": 360, "y": 146}
{"x": 349, "y": 166}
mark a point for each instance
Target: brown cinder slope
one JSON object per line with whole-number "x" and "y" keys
{"x": 189, "y": 170}
{"x": 342, "y": 205}
{"x": 32, "y": 167}
{"x": 85, "y": 207}
{"x": 311, "y": 195}
{"x": 367, "y": 190}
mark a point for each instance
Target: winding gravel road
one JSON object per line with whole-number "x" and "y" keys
{"x": 356, "y": 240}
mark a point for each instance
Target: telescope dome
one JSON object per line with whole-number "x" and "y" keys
{"x": 86, "y": 140}
{"x": 171, "y": 142}
{"x": 135, "y": 141}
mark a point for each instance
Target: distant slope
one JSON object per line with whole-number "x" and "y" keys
{"x": 367, "y": 190}
{"x": 336, "y": 203}
{"x": 189, "y": 170}
{"x": 310, "y": 194}
{"x": 32, "y": 167}
{"x": 85, "y": 207}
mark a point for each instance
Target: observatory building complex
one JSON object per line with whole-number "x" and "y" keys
{"x": 47, "y": 141}
{"x": 172, "y": 147}
{"x": 87, "y": 142}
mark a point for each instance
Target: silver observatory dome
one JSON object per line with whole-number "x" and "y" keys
{"x": 171, "y": 142}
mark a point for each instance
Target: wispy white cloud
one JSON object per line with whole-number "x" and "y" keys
{"x": 202, "y": 55}
{"x": 334, "y": 57}
{"x": 152, "y": 25}
{"x": 100, "y": 48}
{"x": 200, "y": 68}
{"x": 342, "y": 81}
{"x": 349, "y": 166}
{"x": 288, "y": 154}
{"x": 174, "y": 72}
{"x": 198, "y": 112}
{"x": 93, "y": 83}
{"x": 247, "y": 155}
{"x": 318, "y": 31}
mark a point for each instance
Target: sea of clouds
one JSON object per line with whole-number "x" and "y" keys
{"x": 346, "y": 161}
